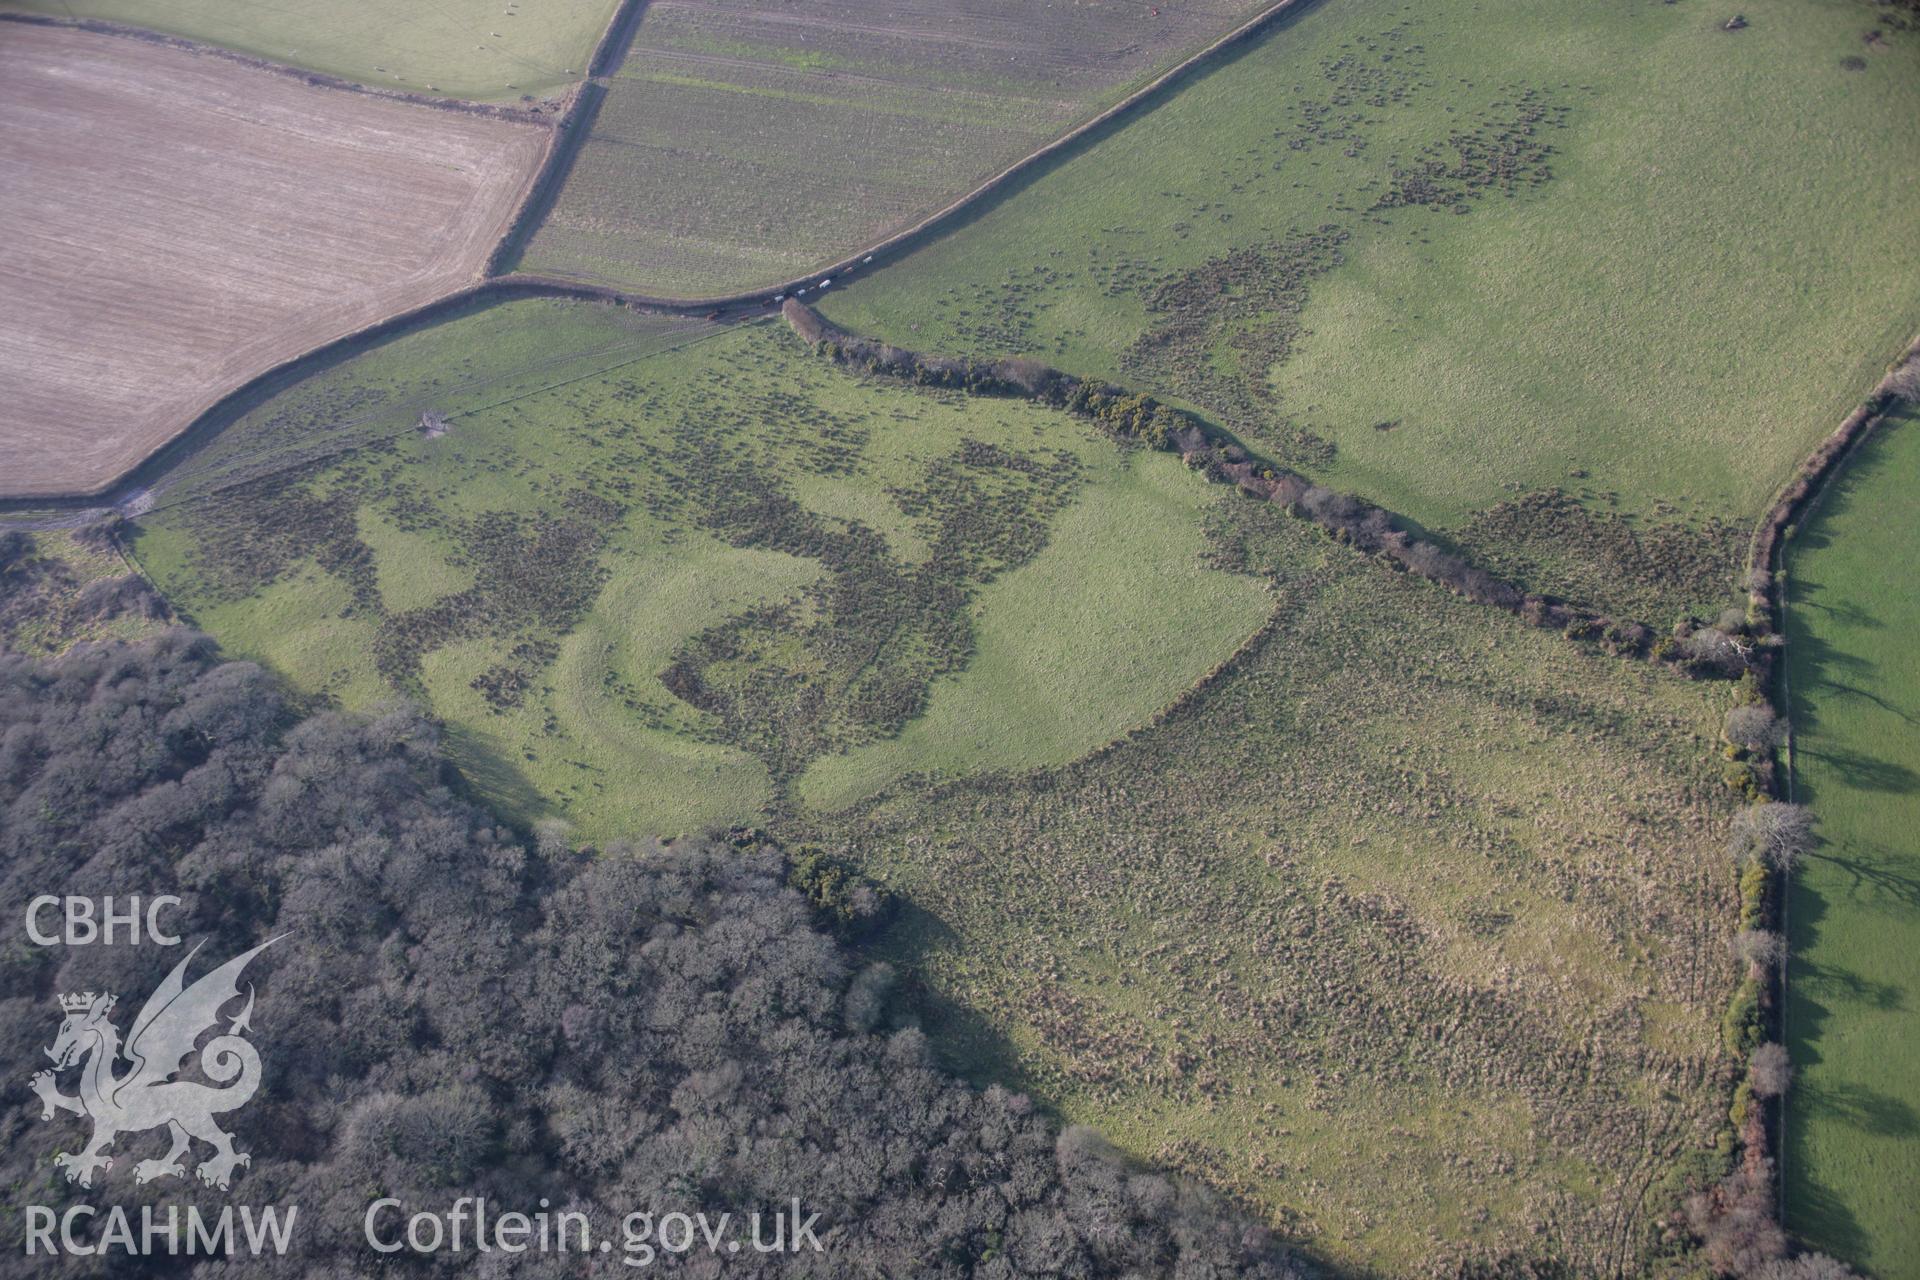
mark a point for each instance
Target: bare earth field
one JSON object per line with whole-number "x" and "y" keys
{"x": 192, "y": 222}
{"x": 740, "y": 144}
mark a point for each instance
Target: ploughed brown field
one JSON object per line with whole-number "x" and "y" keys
{"x": 190, "y": 222}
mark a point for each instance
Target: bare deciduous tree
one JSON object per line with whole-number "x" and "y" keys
{"x": 1770, "y": 1070}
{"x": 1774, "y": 833}
{"x": 1760, "y": 946}
{"x": 1715, "y": 648}
{"x": 1735, "y": 1222}
{"x": 1905, "y": 382}
{"x": 1755, "y": 727}
{"x": 1808, "y": 1266}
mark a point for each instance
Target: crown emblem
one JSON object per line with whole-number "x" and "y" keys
{"x": 83, "y": 1001}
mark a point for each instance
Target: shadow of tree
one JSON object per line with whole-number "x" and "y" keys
{"x": 1856, "y": 882}
{"x": 1845, "y": 984}
{"x": 1877, "y": 876}
{"x": 1846, "y": 612}
{"x": 964, "y": 1041}
{"x": 1832, "y": 670}
{"x": 1856, "y": 691}
{"x": 1820, "y": 1216}
{"x": 1868, "y": 773}
{"x": 489, "y": 778}
{"x": 1865, "y": 1109}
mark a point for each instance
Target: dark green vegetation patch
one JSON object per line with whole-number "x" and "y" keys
{"x": 853, "y": 658}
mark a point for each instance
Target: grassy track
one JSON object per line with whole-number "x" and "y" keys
{"x": 652, "y": 571}
{"x": 1853, "y": 1127}
{"x": 1652, "y": 314}
{"x": 477, "y": 49}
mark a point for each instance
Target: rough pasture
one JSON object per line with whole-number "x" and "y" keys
{"x": 58, "y": 588}
{"x": 193, "y": 222}
{"x": 1411, "y": 928}
{"x": 740, "y": 144}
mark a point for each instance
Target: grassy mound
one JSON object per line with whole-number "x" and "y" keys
{"x": 1113, "y": 616}
{"x": 650, "y": 573}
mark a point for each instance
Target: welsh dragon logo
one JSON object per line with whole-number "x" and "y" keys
{"x": 146, "y": 1096}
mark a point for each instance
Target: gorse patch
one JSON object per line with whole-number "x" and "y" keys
{"x": 1652, "y": 569}
{"x": 1218, "y": 329}
{"x": 534, "y": 575}
{"x": 1503, "y": 154}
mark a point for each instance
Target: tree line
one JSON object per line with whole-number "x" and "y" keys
{"x": 1725, "y": 648}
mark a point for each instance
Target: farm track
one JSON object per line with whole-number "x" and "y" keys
{"x": 173, "y": 471}
{"x": 338, "y": 437}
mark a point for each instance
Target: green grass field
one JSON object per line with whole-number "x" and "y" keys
{"x": 1373, "y": 928}
{"x": 478, "y": 49}
{"x": 1852, "y": 1158}
{"x": 652, "y": 572}
{"x": 1405, "y": 905}
{"x": 1452, "y": 255}
{"x": 742, "y": 145}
